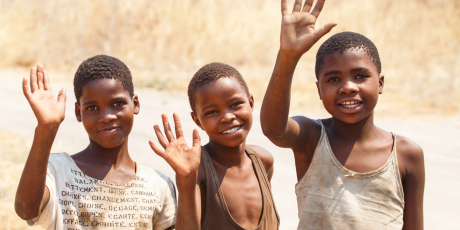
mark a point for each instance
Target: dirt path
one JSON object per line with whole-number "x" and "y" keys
{"x": 438, "y": 136}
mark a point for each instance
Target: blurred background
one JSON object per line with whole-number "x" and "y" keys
{"x": 165, "y": 42}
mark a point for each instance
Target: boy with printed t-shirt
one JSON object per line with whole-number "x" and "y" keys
{"x": 224, "y": 184}
{"x": 351, "y": 174}
{"x": 100, "y": 187}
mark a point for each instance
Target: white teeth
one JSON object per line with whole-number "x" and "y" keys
{"x": 231, "y": 130}
{"x": 350, "y": 104}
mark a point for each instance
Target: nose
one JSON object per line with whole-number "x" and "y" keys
{"x": 349, "y": 87}
{"x": 107, "y": 116}
{"x": 227, "y": 117}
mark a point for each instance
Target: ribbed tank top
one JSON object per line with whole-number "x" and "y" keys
{"x": 330, "y": 196}
{"x": 218, "y": 216}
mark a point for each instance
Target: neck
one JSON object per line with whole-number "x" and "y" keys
{"x": 356, "y": 132}
{"x": 114, "y": 157}
{"x": 227, "y": 156}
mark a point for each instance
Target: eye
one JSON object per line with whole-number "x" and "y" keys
{"x": 236, "y": 104}
{"x": 210, "y": 112}
{"x": 361, "y": 76}
{"x": 332, "y": 79}
{"x": 118, "y": 103}
{"x": 91, "y": 108}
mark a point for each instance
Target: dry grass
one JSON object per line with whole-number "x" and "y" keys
{"x": 13, "y": 155}
{"x": 165, "y": 42}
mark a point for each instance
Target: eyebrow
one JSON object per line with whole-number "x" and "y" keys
{"x": 208, "y": 106}
{"x": 89, "y": 102}
{"x": 354, "y": 70}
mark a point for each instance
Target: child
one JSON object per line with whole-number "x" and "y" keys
{"x": 351, "y": 174}
{"x": 232, "y": 181}
{"x": 100, "y": 187}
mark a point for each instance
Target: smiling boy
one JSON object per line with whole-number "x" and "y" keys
{"x": 232, "y": 180}
{"x": 351, "y": 174}
{"x": 100, "y": 187}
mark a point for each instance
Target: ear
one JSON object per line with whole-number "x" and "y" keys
{"x": 136, "y": 104}
{"x": 251, "y": 101}
{"x": 381, "y": 81}
{"x": 319, "y": 91}
{"x": 78, "y": 111}
{"x": 196, "y": 120}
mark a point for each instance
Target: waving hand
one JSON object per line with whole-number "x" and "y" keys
{"x": 183, "y": 159}
{"x": 46, "y": 109}
{"x": 298, "y": 33}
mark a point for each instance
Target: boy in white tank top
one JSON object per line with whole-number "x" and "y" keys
{"x": 352, "y": 174}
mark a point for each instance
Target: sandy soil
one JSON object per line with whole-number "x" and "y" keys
{"x": 438, "y": 136}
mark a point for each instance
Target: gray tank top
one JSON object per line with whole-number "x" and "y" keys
{"x": 330, "y": 196}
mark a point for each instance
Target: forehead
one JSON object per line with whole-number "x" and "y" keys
{"x": 222, "y": 90}
{"x": 103, "y": 88}
{"x": 349, "y": 59}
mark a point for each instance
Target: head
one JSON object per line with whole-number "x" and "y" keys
{"x": 348, "y": 72}
{"x": 221, "y": 103}
{"x": 106, "y": 102}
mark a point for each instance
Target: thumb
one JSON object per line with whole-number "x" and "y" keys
{"x": 324, "y": 30}
{"x": 196, "y": 139}
{"x": 157, "y": 150}
{"x": 61, "y": 97}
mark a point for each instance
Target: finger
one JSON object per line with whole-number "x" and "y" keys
{"x": 168, "y": 132}
{"x": 196, "y": 139}
{"x": 297, "y": 6}
{"x": 284, "y": 7}
{"x": 46, "y": 81}
{"x": 161, "y": 138}
{"x": 318, "y": 7}
{"x": 33, "y": 80}
{"x": 156, "y": 149}
{"x": 178, "y": 126}
{"x": 61, "y": 97}
{"x": 40, "y": 76}
{"x": 324, "y": 30}
{"x": 25, "y": 87}
{"x": 307, "y": 6}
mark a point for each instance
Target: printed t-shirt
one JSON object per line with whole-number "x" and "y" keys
{"x": 78, "y": 201}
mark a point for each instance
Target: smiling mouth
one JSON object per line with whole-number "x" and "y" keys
{"x": 350, "y": 104}
{"x": 233, "y": 130}
{"x": 109, "y": 129}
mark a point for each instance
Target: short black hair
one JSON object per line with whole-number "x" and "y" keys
{"x": 344, "y": 41}
{"x": 210, "y": 73}
{"x": 100, "y": 67}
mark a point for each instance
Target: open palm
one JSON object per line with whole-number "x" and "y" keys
{"x": 183, "y": 159}
{"x": 47, "y": 110}
{"x": 298, "y": 32}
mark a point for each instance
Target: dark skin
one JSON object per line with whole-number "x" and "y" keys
{"x": 348, "y": 85}
{"x": 224, "y": 111}
{"x": 106, "y": 110}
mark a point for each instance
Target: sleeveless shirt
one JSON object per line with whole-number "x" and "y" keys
{"x": 330, "y": 196}
{"x": 218, "y": 216}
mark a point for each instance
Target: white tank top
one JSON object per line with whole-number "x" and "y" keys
{"x": 330, "y": 196}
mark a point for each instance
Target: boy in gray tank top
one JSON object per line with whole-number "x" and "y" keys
{"x": 352, "y": 174}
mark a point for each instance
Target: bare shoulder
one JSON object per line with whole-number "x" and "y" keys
{"x": 410, "y": 155}
{"x": 266, "y": 158}
{"x": 309, "y": 131}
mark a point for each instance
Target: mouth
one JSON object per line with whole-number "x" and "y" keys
{"x": 350, "y": 104}
{"x": 108, "y": 130}
{"x": 232, "y": 130}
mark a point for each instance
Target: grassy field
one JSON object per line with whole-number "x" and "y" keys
{"x": 165, "y": 42}
{"x": 13, "y": 155}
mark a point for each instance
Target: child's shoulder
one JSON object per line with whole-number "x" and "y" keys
{"x": 266, "y": 157}
{"x": 410, "y": 154}
{"x": 152, "y": 175}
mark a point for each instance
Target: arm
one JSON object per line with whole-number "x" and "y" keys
{"x": 410, "y": 158}
{"x": 185, "y": 161}
{"x": 32, "y": 194}
{"x": 298, "y": 35}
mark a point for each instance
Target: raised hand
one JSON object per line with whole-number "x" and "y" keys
{"x": 298, "y": 32}
{"x": 46, "y": 109}
{"x": 183, "y": 159}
